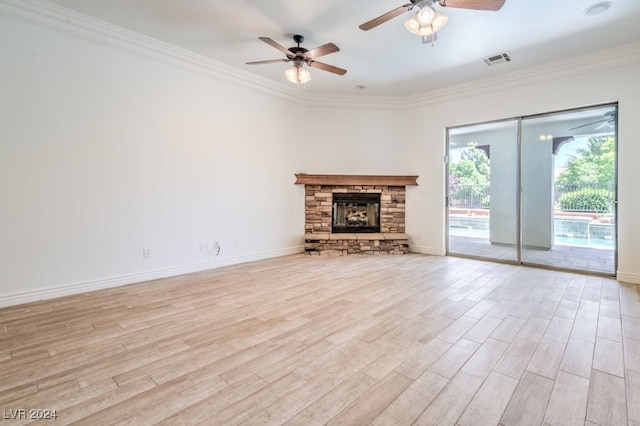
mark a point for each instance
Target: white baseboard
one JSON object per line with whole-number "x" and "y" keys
{"x": 86, "y": 286}
{"x": 426, "y": 250}
{"x": 628, "y": 278}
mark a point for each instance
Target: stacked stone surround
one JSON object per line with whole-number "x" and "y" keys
{"x": 319, "y": 240}
{"x": 343, "y": 244}
{"x": 319, "y": 200}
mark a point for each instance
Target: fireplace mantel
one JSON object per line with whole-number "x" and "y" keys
{"x": 324, "y": 179}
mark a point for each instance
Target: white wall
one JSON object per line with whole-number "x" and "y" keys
{"x": 601, "y": 77}
{"x": 356, "y": 139}
{"x": 104, "y": 153}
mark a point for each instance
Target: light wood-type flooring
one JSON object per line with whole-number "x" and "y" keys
{"x": 354, "y": 340}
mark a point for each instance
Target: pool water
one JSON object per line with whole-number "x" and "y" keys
{"x": 600, "y": 243}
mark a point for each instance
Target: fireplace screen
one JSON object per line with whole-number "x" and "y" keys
{"x": 355, "y": 212}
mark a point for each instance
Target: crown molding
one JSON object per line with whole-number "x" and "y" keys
{"x": 70, "y": 22}
{"x": 58, "y": 18}
{"x": 67, "y": 21}
{"x": 567, "y": 68}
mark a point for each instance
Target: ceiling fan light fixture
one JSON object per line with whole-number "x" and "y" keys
{"x": 412, "y": 25}
{"x": 426, "y": 15}
{"x": 297, "y": 74}
{"x": 425, "y": 31}
{"x": 437, "y": 22}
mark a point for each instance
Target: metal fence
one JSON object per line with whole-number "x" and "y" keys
{"x": 470, "y": 196}
{"x": 586, "y": 197}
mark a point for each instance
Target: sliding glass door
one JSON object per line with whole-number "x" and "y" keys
{"x": 568, "y": 171}
{"x": 536, "y": 190}
{"x": 482, "y": 193}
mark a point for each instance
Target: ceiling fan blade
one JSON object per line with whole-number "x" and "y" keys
{"x": 387, "y": 16}
{"x": 326, "y": 67}
{"x": 271, "y": 61}
{"x": 277, "y": 46}
{"x": 321, "y": 51}
{"x": 492, "y": 5}
{"x": 588, "y": 124}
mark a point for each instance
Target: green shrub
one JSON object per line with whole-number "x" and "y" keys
{"x": 486, "y": 202}
{"x": 586, "y": 200}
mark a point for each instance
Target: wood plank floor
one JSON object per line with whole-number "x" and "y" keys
{"x": 355, "y": 340}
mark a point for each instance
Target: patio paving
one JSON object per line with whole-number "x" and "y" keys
{"x": 579, "y": 258}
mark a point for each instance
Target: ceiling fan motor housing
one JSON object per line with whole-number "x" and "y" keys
{"x": 297, "y": 52}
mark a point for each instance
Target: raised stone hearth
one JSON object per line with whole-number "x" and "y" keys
{"x": 319, "y": 215}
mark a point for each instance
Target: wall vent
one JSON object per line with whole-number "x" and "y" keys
{"x": 497, "y": 59}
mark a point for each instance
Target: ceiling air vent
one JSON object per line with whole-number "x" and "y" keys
{"x": 497, "y": 59}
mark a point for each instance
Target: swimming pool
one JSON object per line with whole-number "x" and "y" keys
{"x": 568, "y": 232}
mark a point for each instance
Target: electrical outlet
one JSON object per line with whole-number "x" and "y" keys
{"x": 204, "y": 246}
{"x": 146, "y": 253}
{"x": 215, "y": 249}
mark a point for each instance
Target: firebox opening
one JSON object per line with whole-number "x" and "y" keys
{"x": 355, "y": 212}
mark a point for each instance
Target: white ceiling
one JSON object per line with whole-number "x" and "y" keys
{"x": 387, "y": 60}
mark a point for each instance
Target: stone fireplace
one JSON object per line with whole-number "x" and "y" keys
{"x": 355, "y": 214}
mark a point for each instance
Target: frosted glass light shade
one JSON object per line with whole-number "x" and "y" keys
{"x": 435, "y": 20}
{"x": 297, "y": 74}
{"x": 426, "y": 15}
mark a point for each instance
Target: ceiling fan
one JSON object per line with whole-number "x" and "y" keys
{"x": 427, "y": 21}
{"x": 608, "y": 120}
{"x": 299, "y": 56}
